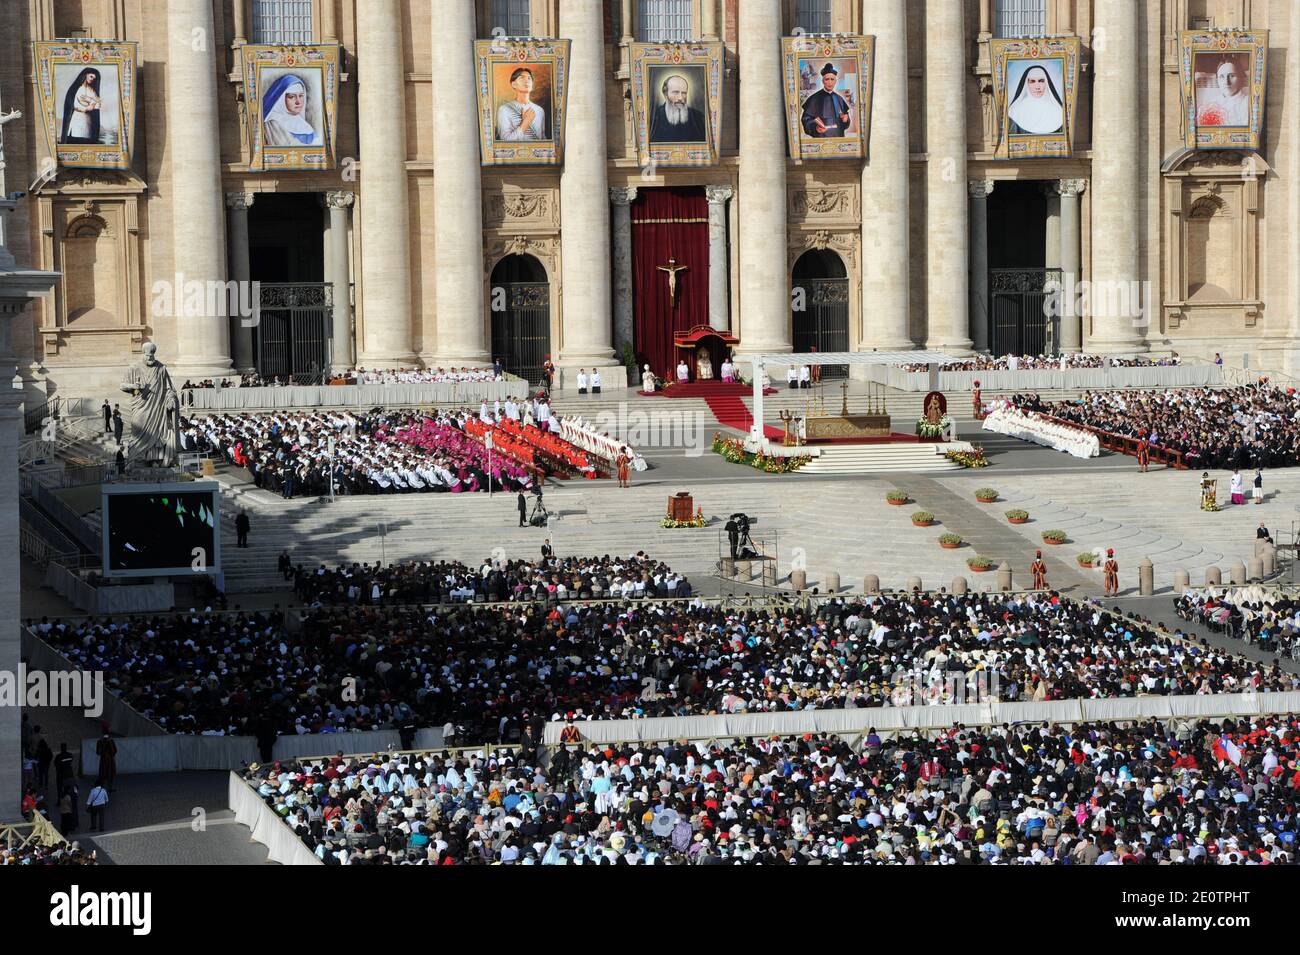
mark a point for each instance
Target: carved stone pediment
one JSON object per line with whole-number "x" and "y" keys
{"x": 513, "y": 208}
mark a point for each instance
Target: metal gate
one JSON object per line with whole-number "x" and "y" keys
{"x": 521, "y": 334}
{"x": 823, "y": 324}
{"x": 1024, "y": 311}
{"x": 293, "y": 331}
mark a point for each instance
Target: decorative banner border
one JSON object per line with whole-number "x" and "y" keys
{"x": 528, "y": 52}
{"x": 1252, "y": 43}
{"x": 860, "y": 49}
{"x": 47, "y": 54}
{"x": 1064, "y": 50}
{"x": 647, "y": 56}
{"x": 321, "y": 58}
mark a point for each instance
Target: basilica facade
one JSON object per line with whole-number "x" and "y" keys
{"x": 302, "y": 186}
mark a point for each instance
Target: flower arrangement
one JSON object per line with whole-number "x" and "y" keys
{"x": 968, "y": 459}
{"x": 986, "y": 495}
{"x": 733, "y": 450}
{"x": 926, "y": 429}
{"x": 950, "y": 541}
{"x": 896, "y": 497}
{"x": 979, "y": 564}
{"x": 1017, "y": 516}
{"x": 922, "y": 518}
{"x": 1054, "y": 537}
{"x": 1086, "y": 559}
{"x": 699, "y": 520}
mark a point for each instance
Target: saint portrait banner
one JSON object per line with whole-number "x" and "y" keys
{"x": 87, "y": 93}
{"x": 523, "y": 94}
{"x": 1035, "y": 87}
{"x": 828, "y": 83}
{"x": 1224, "y": 74}
{"x": 292, "y": 94}
{"x": 677, "y": 102}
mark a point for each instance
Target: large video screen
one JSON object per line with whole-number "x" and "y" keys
{"x": 161, "y": 529}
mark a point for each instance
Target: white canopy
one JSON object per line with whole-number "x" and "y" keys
{"x": 933, "y": 358}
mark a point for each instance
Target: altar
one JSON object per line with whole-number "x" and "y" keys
{"x": 817, "y": 424}
{"x": 821, "y": 426}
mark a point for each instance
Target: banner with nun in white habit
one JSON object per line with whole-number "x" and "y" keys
{"x": 87, "y": 92}
{"x": 1035, "y": 82}
{"x": 293, "y": 102}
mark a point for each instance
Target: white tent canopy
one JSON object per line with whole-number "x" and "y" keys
{"x": 932, "y": 358}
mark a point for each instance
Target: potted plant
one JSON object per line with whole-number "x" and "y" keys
{"x": 1054, "y": 537}
{"x": 1017, "y": 516}
{"x": 979, "y": 565}
{"x": 922, "y": 518}
{"x": 986, "y": 495}
{"x": 1086, "y": 559}
{"x": 896, "y": 497}
{"x": 950, "y": 541}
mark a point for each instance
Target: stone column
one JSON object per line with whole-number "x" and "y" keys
{"x": 628, "y": 22}
{"x": 765, "y": 280}
{"x": 240, "y": 11}
{"x": 719, "y": 259}
{"x": 458, "y": 192}
{"x": 979, "y": 190}
{"x": 1117, "y": 167}
{"x": 329, "y": 21}
{"x": 1071, "y": 320}
{"x": 947, "y": 294}
{"x": 241, "y": 334}
{"x": 709, "y": 19}
{"x": 198, "y": 219}
{"x": 385, "y": 216}
{"x": 18, "y": 287}
{"x": 886, "y": 186}
{"x": 1052, "y": 244}
{"x": 584, "y": 199}
{"x": 624, "y": 334}
{"x": 339, "y": 202}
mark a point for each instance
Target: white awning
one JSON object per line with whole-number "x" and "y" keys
{"x": 852, "y": 358}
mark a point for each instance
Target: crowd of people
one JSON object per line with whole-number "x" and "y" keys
{"x": 488, "y": 669}
{"x": 1036, "y": 362}
{"x": 1095, "y": 794}
{"x": 428, "y": 581}
{"x": 378, "y": 452}
{"x": 1251, "y": 426}
{"x": 1266, "y": 619}
{"x": 390, "y": 452}
{"x": 414, "y": 376}
{"x": 36, "y": 853}
{"x": 360, "y": 376}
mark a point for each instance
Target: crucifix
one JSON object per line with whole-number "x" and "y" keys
{"x": 672, "y": 268}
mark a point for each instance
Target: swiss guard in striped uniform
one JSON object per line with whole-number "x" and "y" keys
{"x": 1111, "y": 570}
{"x": 1039, "y": 570}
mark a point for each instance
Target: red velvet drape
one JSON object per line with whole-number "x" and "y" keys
{"x": 668, "y": 223}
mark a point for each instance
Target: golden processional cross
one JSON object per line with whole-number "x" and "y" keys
{"x": 672, "y": 268}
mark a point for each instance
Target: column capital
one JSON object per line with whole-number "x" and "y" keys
{"x": 339, "y": 199}
{"x": 718, "y": 194}
{"x": 979, "y": 188}
{"x": 1071, "y": 188}
{"x": 622, "y": 195}
{"x": 239, "y": 201}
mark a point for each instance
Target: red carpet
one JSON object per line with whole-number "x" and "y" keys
{"x": 731, "y": 412}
